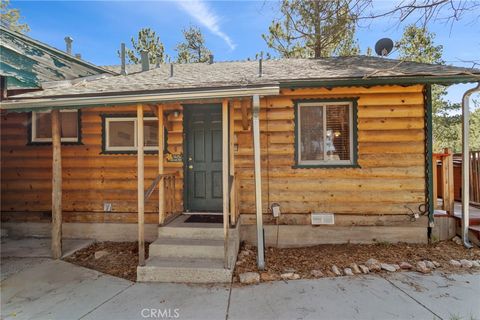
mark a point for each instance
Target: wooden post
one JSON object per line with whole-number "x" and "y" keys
{"x": 435, "y": 182}
{"x": 232, "y": 163}
{"x": 140, "y": 186}
{"x": 448, "y": 200}
{"x": 56, "y": 186}
{"x": 161, "y": 184}
{"x": 225, "y": 177}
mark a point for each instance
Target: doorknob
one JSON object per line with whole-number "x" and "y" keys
{"x": 190, "y": 167}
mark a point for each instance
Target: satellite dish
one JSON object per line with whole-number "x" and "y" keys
{"x": 384, "y": 46}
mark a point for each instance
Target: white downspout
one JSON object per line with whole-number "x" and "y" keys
{"x": 258, "y": 180}
{"x": 466, "y": 164}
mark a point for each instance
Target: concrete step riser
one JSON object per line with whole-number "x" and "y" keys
{"x": 182, "y": 251}
{"x": 182, "y": 275}
{"x": 191, "y": 233}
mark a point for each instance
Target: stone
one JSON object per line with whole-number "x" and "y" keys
{"x": 348, "y": 272}
{"x": 455, "y": 263}
{"x": 243, "y": 254}
{"x": 436, "y": 264}
{"x": 267, "y": 276}
{"x": 336, "y": 271}
{"x": 405, "y": 266}
{"x": 290, "y": 276}
{"x": 396, "y": 266}
{"x": 355, "y": 268}
{"x": 476, "y": 264}
{"x": 457, "y": 240}
{"x": 373, "y": 265}
{"x": 239, "y": 262}
{"x": 316, "y": 273}
{"x": 364, "y": 269}
{"x": 429, "y": 264}
{"x": 467, "y": 264}
{"x": 422, "y": 267}
{"x": 100, "y": 254}
{"x": 388, "y": 267}
{"x": 249, "y": 277}
{"x": 289, "y": 270}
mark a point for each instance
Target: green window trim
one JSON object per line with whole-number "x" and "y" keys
{"x": 104, "y": 151}
{"x": 31, "y": 142}
{"x": 354, "y": 162}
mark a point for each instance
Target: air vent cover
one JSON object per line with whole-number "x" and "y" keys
{"x": 322, "y": 218}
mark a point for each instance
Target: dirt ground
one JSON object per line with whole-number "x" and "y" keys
{"x": 121, "y": 259}
{"x": 322, "y": 257}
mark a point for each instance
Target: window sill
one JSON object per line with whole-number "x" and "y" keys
{"x": 127, "y": 152}
{"x": 325, "y": 166}
{"x": 49, "y": 143}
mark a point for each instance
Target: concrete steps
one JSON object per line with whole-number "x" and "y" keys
{"x": 190, "y": 252}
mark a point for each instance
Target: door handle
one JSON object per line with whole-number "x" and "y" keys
{"x": 190, "y": 167}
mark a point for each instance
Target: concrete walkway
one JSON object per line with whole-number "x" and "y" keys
{"x": 40, "y": 288}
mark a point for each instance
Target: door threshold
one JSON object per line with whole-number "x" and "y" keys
{"x": 203, "y": 213}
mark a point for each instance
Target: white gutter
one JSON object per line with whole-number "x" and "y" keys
{"x": 80, "y": 102}
{"x": 258, "y": 181}
{"x": 466, "y": 164}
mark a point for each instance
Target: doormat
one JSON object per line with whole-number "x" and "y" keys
{"x": 205, "y": 218}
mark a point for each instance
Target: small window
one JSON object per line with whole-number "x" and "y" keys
{"x": 121, "y": 134}
{"x": 325, "y": 134}
{"x": 42, "y": 126}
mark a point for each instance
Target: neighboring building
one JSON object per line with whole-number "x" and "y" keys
{"x": 344, "y": 143}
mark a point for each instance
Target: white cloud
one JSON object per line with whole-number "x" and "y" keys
{"x": 199, "y": 10}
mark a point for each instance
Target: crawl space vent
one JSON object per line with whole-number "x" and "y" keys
{"x": 322, "y": 218}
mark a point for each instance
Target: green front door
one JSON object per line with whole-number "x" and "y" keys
{"x": 203, "y": 179}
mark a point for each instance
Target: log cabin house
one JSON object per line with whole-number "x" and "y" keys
{"x": 196, "y": 157}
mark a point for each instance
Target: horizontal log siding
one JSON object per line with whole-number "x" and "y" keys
{"x": 89, "y": 177}
{"x": 390, "y": 154}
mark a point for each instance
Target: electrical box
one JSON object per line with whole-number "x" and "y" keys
{"x": 322, "y": 218}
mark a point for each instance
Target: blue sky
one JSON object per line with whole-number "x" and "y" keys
{"x": 232, "y": 28}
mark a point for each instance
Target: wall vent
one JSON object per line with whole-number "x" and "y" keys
{"x": 322, "y": 218}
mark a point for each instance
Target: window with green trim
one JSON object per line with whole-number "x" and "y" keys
{"x": 325, "y": 134}
{"x": 41, "y": 126}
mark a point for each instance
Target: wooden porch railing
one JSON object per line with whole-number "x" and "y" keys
{"x": 443, "y": 173}
{"x": 168, "y": 181}
{"x": 475, "y": 178}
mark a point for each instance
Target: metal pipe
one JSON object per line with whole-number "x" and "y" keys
{"x": 144, "y": 58}
{"x": 466, "y": 164}
{"x": 122, "y": 58}
{"x": 260, "y": 67}
{"x": 258, "y": 181}
{"x": 68, "y": 43}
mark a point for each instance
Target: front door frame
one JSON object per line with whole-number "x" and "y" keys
{"x": 186, "y": 110}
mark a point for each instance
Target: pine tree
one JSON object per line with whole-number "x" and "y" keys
{"x": 146, "y": 40}
{"x": 10, "y": 18}
{"x": 193, "y": 49}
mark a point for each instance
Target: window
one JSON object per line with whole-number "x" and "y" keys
{"x": 121, "y": 134}
{"x": 325, "y": 134}
{"x": 42, "y": 126}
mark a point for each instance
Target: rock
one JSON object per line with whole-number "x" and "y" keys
{"x": 348, "y": 272}
{"x": 267, "y": 276}
{"x": 373, "y": 265}
{"x": 455, "y": 263}
{"x": 388, "y": 267}
{"x": 396, "y": 266}
{"x": 243, "y": 254}
{"x": 316, "y": 273}
{"x": 100, "y": 254}
{"x": 467, "y": 264}
{"x": 289, "y": 276}
{"x": 289, "y": 270}
{"x": 364, "y": 268}
{"x": 336, "y": 271}
{"x": 239, "y": 262}
{"x": 405, "y": 266}
{"x": 457, "y": 240}
{"x": 355, "y": 268}
{"x": 249, "y": 277}
{"x": 422, "y": 267}
{"x": 429, "y": 264}
{"x": 436, "y": 264}
{"x": 476, "y": 264}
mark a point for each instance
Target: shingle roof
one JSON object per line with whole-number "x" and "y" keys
{"x": 28, "y": 62}
{"x": 245, "y": 73}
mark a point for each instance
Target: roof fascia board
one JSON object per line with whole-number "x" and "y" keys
{"x": 80, "y": 102}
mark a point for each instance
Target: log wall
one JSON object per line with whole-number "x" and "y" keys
{"x": 391, "y": 176}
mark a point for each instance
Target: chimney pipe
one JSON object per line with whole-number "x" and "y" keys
{"x": 123, "y": 71}
{"x": 68, "y": 43}
{"x": 260, "y": 67}
{"x": 171, "y": 70}
{"x": 78, "y": 56}
{"x": 210, "y": 59}
{"x": 144, "y": 59}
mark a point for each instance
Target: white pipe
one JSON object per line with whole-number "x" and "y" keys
{"x": 76, "y": 102}
{"x": 258, "y": 181}
{"x": 466, "y": 164}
